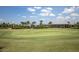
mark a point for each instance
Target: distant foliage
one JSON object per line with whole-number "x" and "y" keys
{"x": 76, "y": 25}
{"x": 29, "y": 25}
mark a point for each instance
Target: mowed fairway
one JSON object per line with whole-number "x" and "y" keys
{"x": 39, "y": 40}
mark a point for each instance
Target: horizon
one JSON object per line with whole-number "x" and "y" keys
{"x": 56, "y": 14}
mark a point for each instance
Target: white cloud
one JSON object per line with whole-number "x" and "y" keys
{"x": 60, "y": 14}
{"x": 47, "y": 14}
{"x": 74, "y": 14}
{"x": 45, "y": 10}
{"x": 32, "y": 16}
{"x": 67, "y": 17}
{"x": 31, "y": 9}
{"x": 59, "y": 20}
{"x": 51, "y": 14}
{"x": 43, "y": 14}
{"x": 37, "y": 7}
{"x": 49, "y": 8}
{"x": 62, "y": 19}
{"x": 24, "y": 16}
{"x": 69, "y": 10}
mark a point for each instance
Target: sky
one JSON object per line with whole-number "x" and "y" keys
{"x": 56, "y": 14}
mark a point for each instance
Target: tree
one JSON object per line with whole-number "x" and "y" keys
{"x": 68, "y": 24}
{"x": 33, "y": 24}
{"x": 50, "y": 24}
{"x": 23, "y": 23}
{"x": 4, "y": 25}
{"x": 28, "y": 24}
{"x": 77, "y": 25}
{"x": 41, "y": 24}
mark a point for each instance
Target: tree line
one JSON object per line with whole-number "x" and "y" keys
{"x": 29, "y": 25}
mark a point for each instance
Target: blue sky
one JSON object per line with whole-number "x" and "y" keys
{"x": 56, "y": 14}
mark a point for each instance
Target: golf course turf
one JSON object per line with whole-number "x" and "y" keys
{"x": 39, "y": 40}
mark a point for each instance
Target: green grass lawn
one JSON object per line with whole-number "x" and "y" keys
{"x": 36, "y": 40}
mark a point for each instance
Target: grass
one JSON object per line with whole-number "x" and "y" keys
{"x": 39, "y": 40}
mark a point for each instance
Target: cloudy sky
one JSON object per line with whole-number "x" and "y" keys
{"x": 56, "y": 14}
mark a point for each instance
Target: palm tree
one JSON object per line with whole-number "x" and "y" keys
{"x": 50, "y": 24}
{"x": 77, "y": 25}
{"x": 41, "y": 24}
{"x": 28, "y": 24}
{"x": 23, "y": 23}
{"x": 33, "y": 24}
{"x": 68, "y": 24}
{"x": 3, "y": 24}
